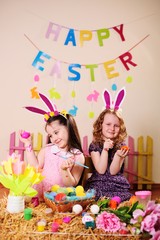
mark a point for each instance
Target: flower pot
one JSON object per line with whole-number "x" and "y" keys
{"x": 15, "y": 204}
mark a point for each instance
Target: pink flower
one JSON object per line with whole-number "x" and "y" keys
{"x": 156, "y": 236}
{"x": 137, "y": 216}
{"x": 148, "y": 223}
{"x": 147, "y": 220}
{"x": 151, "y": 205}
{"x": 109, "y": 222}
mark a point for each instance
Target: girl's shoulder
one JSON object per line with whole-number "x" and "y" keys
{"x": 75, "y": 151}
{"x": 95, "y": 147}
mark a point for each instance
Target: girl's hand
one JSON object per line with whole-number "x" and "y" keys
{"x": 67, "y": 164}
{"x": 108, "y": 144}
{"x": 26, "y": 141}
{"x": 122, "y": 153}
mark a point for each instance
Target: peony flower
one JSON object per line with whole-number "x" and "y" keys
{"x": 156, "y": 236}
{"x": 147, "y": 221}
{"x": 109, "y": 222}
{"x": 137, "y": 216}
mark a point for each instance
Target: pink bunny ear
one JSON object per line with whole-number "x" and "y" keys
{"x": 47, "y": 102}
{"x": 107, "y": 99}
{"x": 120, "y": 97}
{"x": 36, "y": 110}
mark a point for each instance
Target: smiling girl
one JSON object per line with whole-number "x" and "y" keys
{"x": 62, "y": 159}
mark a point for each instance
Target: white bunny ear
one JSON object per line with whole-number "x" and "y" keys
{"x": 107, "y": 99}
{"x": 119, "y": 98}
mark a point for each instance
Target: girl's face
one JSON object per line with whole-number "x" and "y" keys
{"x": 58, "y": 134}
{"x": 110, "y": 126}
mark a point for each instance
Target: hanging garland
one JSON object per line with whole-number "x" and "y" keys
{"x": 42, "y": 58}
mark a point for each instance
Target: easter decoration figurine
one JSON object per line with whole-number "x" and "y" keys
{"x": 19, "y": 178}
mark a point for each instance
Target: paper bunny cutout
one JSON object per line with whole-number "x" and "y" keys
{"x": 118, "y": 100}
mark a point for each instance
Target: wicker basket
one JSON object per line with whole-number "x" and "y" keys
{"x": 66, "y": 206}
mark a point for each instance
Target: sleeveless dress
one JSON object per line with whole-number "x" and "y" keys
{"x": 106, "y": 184}
{"x": 52, "y": 168}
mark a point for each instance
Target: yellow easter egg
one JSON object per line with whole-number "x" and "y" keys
{"x": 69, "y": 189}
{"x": 80, "y": 194}
{"x": 79, "y": 189}
{"x": 55, "y": 187}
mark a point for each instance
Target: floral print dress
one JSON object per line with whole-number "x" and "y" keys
{"x": 106, "y": 184}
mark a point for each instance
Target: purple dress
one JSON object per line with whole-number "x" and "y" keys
{"x": 106, "y": 184}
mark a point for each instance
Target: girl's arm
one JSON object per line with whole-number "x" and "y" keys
{"x": 33, "y": 159}
{"x": 118, "y": 160}
{"x": 100, "y": 161}
{"x": 72, "y": 177}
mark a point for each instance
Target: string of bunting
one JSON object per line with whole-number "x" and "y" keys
{"x": 53, "y": 31}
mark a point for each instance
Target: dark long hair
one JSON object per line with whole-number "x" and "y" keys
{"x": 74, "y": 140}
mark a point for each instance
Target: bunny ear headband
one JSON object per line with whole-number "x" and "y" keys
{"x": 118, "y": 100}
{"x": 52, "y": 110}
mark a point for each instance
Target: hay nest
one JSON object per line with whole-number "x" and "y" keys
{"x": 14, "y": 226}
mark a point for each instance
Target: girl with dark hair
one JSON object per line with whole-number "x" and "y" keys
{"x": 62, "y": 159}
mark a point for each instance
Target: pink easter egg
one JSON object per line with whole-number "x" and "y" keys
{"x": 25, "y": 134}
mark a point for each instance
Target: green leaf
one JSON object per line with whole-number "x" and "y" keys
{"x": 133, "y": 208}
{"x": 123, "y": 209}
{"x": 103, "y": 203}
{"x": 30, "y": 192}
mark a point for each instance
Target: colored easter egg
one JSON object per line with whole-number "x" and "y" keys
{"x": 79, "y": 188}
{"x": 62, "y": 190}
{"x": 80, "y": 191}
{"x": 60, "y": 197}
{"x": 25, "y": 134}
{"x": 77, "y": 208}
{"x": 70, "y": 189}
{"x": 117, "y": 199}
{"x": 54, "y": 188}
{"x": 125, "y": 148}
{"x": 94, "y": 209}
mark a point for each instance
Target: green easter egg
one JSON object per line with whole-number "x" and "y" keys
{"x": 62, "y": 190}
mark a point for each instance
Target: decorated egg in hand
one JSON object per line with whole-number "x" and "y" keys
{"x": 125, "y": 148}
{"x": 25, "y": 134}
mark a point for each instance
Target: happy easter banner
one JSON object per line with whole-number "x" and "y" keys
{"x": 53, "y": 33}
